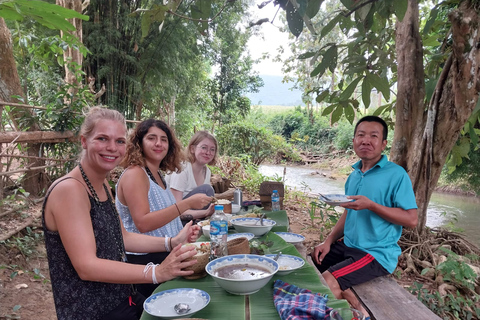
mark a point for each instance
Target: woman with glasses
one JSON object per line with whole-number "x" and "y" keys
{"x": 143, "y": 199}
{"x": 195, "y": 175}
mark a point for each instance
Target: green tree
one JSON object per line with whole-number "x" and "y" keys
{"x": 233, "y": 75}
{"x": 431, "y": 63}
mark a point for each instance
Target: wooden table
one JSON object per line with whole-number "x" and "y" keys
{"x": 259, "y": 305}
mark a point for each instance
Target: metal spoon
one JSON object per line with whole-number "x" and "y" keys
{"x": 261, "y": 219}
{"x": 181, "y": 308}
{"x": 277, "y": 256}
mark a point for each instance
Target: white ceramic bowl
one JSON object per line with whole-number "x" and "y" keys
{"x": 162, "y": 304}
{"x": 236, "y": 208}
{"x": 244, "y": 282}
{"x": 252, "y": 225}
{"x": 206, "y": 230}
{"x": 287, "y": 263}
{"x": 291, "y": 237}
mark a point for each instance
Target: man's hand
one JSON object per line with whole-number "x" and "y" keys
{"x": 320, "y": 252}
{"x": 360, "y": 203}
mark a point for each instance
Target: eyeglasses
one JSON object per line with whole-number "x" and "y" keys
{"x": 206, "y": 150}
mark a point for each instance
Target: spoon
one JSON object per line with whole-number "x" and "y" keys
{"x": 181, "y": 308}
{"x": 261, "y": 219}
{"x": 277, "y": 256}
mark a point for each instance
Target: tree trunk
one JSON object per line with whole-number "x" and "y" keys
{"x": 72, "y": 56}
{"x": 424, "y": 153}
{"x": 34, "y": 181}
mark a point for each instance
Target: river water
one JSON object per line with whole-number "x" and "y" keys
{"x": 443, "y": 209}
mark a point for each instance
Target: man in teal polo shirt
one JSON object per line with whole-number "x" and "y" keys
{"x": 363, "y": 243}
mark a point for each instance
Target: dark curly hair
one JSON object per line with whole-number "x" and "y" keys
{"x": 135, "y": 156}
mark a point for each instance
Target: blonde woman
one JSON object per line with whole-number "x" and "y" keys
{"x": 86, "y": 241}
{"x": 195, "y": 176}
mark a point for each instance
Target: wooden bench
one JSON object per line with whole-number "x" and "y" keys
{"x": 384, "y": 299}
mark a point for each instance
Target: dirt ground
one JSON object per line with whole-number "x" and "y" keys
{"x": 25, "y": 290}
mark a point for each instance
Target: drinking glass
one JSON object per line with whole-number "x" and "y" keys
{"x": 346, "y": 314}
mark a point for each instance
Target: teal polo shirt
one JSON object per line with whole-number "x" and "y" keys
{"x": 387, "y": 184}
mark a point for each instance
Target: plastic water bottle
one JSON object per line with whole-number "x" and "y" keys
{"x": 238, "y": 197}
{"x": 275, "y": 201}
{"x": 218, "y": 233}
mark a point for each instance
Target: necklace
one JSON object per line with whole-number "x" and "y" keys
{"x": 150, "y": 174}
{"x": 117, "y": 236}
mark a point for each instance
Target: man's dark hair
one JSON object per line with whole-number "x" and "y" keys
{"x": 373, "y": 119}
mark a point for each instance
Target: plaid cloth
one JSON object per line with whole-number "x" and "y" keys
{"x": 294, "y": 303}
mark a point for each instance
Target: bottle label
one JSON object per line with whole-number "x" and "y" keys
{"x": 218, "y": 227}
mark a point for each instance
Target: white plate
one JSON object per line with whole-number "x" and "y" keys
{"x": 291, "y": 237}
{"x": 335, "y": 199}
{"x": 162, "y": 304}
{"x": 247, "y": 235}
{"x": 287, "y": 263}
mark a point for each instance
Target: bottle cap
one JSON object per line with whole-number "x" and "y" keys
{"x": 218, "y": 207}
{"x": 275, "y": 191}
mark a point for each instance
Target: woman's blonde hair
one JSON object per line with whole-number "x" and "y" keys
{"x": 198, "y": 137}
{"x": 135, "y": 155}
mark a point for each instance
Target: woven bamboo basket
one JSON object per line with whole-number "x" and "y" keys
{"x": 238, "y": 246}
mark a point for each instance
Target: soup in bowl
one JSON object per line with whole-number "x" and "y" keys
{"x": 242, "y": 274}
{"x": 253, "y": 225}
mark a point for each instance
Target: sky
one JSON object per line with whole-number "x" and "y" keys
{"x": 271, "y": 40}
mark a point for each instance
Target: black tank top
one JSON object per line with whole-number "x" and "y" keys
{"x": 74, "y": 297}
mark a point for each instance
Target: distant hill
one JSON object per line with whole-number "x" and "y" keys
{"x": 276, "y": 93}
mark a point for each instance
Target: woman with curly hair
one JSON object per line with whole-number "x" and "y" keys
{"x": 195, "y": 176}
{"x": 145, "y": 203}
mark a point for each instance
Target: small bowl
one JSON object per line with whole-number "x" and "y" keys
{"x": 236, "y": 208}
{"x": 252, "y": 225}
{"x": 206, "y": 230}
{"x": 162, "y": 304}
{"x": 232, "y": 236}
{"x": 287, "y": 263}
{"x": 251, "y": 272}
{"x": 202, "y": 258}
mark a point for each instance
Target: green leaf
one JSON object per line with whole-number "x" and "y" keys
{"x": 349, "y": 4}
{"x": 302, "y": 7}
{"x": 313, "y": 7}
{"x": 350, "y": 89}
{"x": 350, "y": 113}
{"x": 363, "y": 11}
{"x": 381, "y": 84}
{"x": 329, "y": 109}
{"x": 329, "y": 56}
{"x": 366, "y": 92}
{"x": 322, "y": 96}
{"x": 400, "y": 8}
{"x": 431, "y": 20}
{"x": 336, "y": 114}
{"x": 332, "y": 23}
{"x": 294, "y": 20}
{"x": 306, "y": 55}
{"x": 431, "y": 41}
{"x": 10, "y": 14}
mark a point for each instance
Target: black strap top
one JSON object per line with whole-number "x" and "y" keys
{"x": 74, "y": 297}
